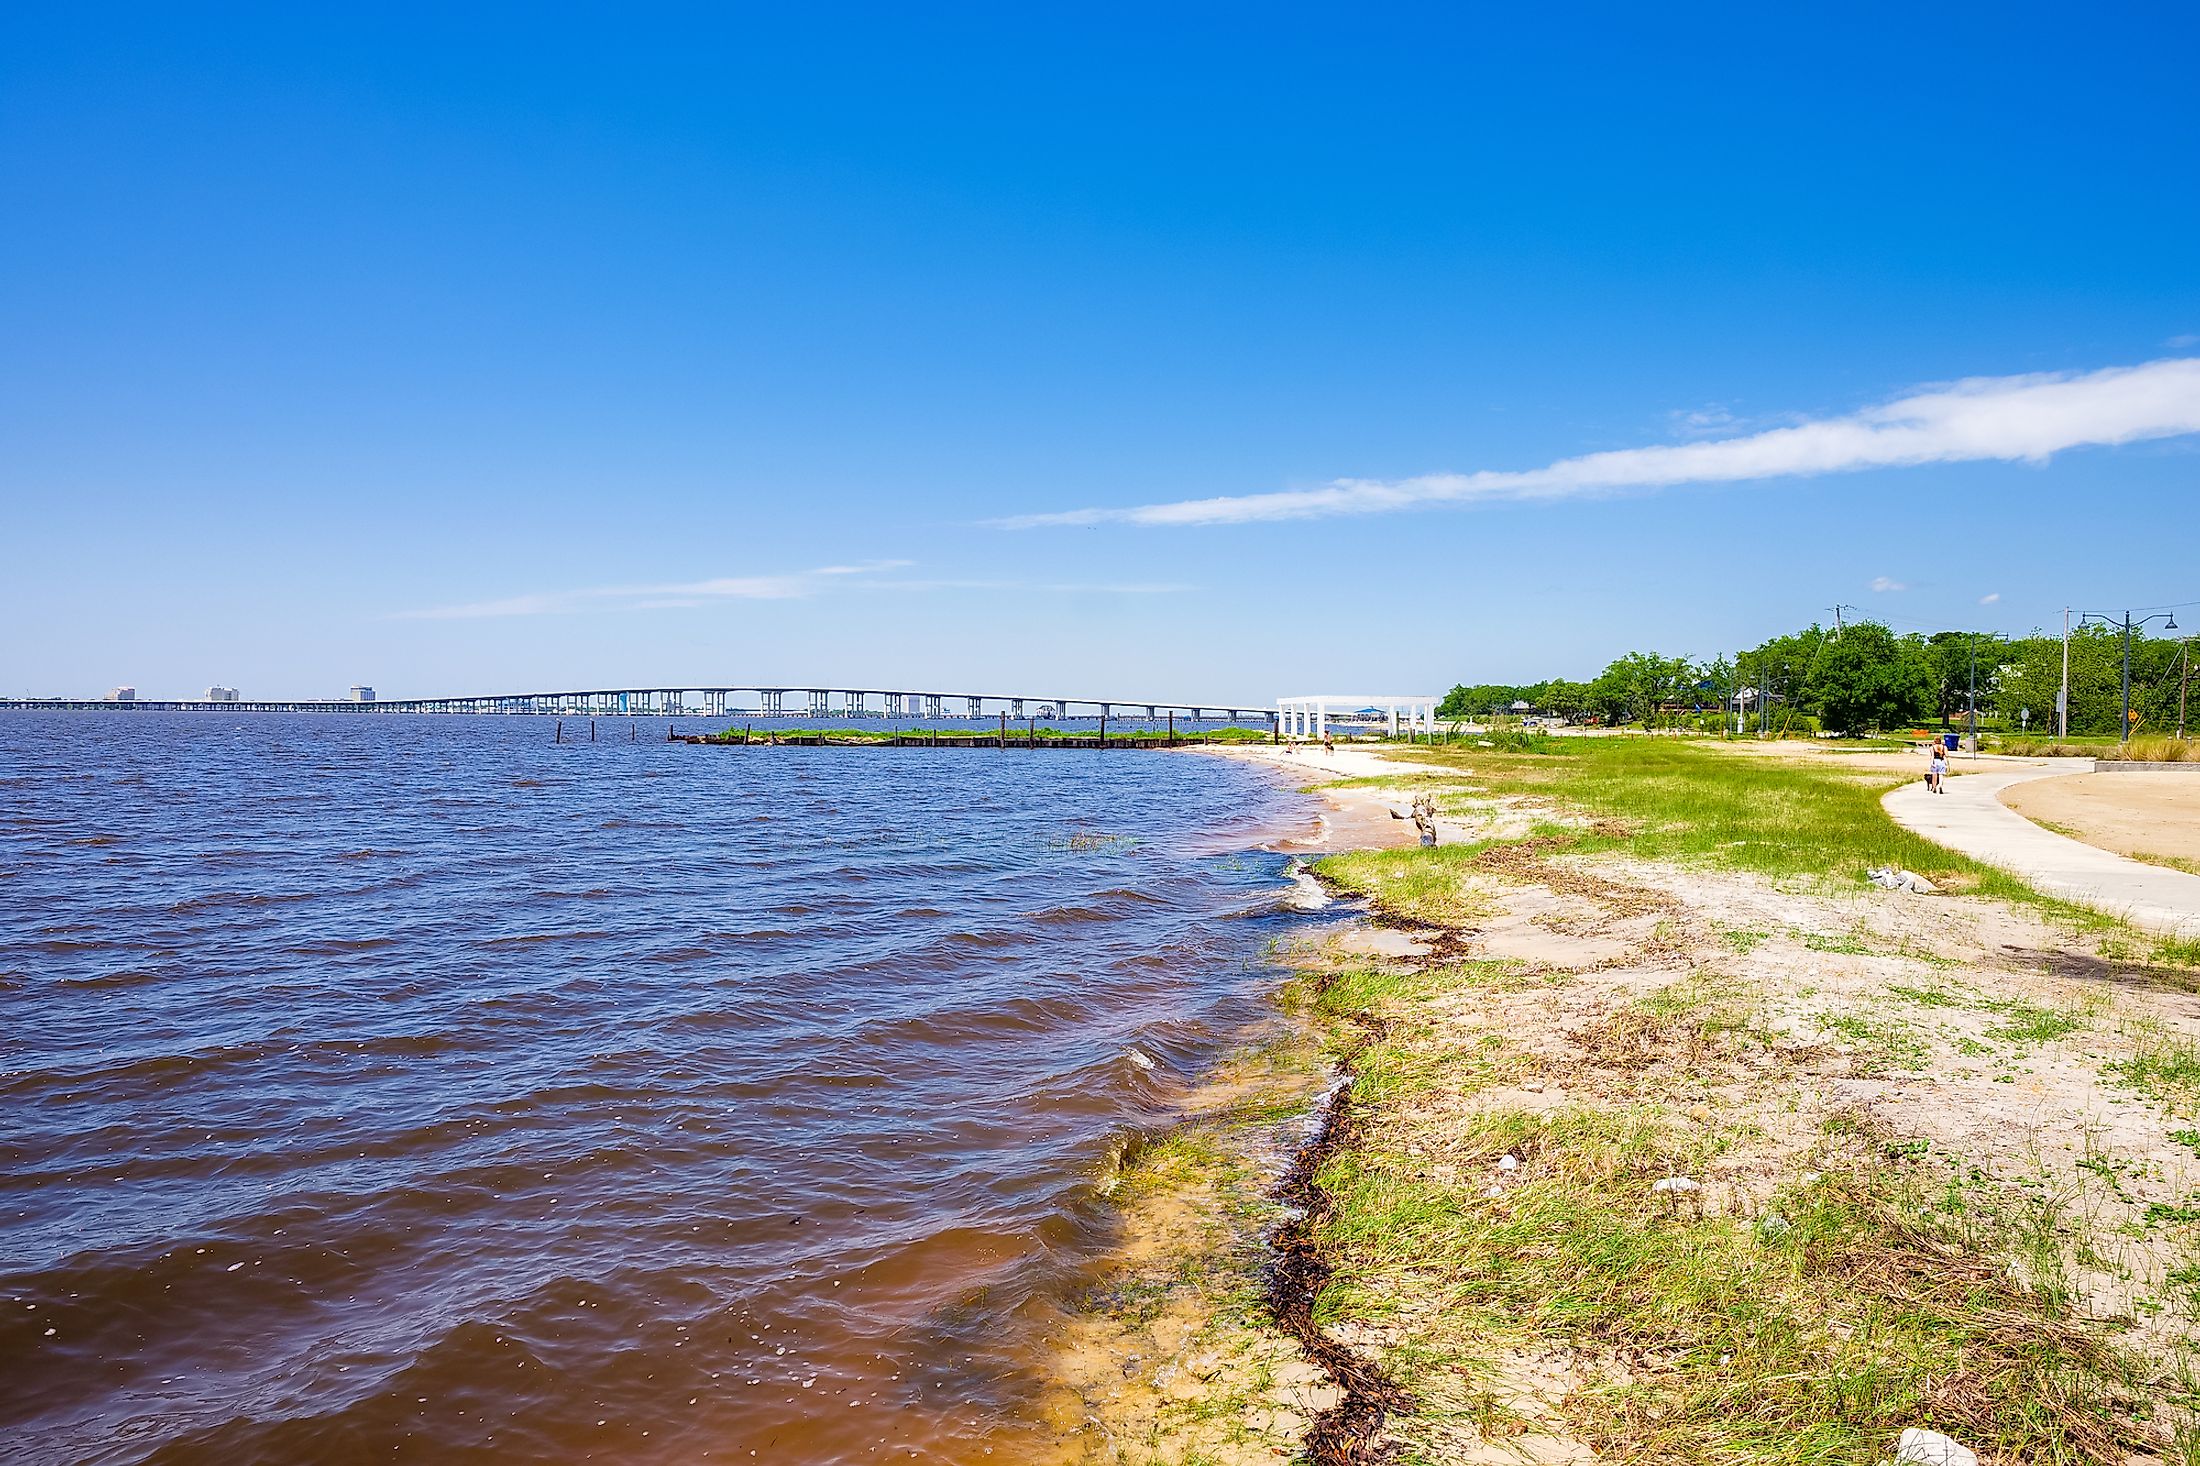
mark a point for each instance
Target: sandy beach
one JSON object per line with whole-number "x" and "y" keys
{"x": 2149, "y": 815}
{"x": 1594, "y": 1089}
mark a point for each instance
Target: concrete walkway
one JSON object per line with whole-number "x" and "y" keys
{"x": 1971, "y": 818}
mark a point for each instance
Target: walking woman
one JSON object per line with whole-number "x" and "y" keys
{"x": 1936, "y": 772}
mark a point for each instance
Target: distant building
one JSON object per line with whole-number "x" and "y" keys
{"x": 221, "y": 694}
{"x": 123, "y": 694}
{"x": 361, "y": 693}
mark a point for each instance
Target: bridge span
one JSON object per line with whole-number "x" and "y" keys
{"x": 811, "y": 704}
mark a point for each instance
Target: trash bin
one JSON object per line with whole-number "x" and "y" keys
{"x": 1951, "y": 740}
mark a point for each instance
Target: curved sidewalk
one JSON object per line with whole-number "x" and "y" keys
{"x": 1971, "y": 818}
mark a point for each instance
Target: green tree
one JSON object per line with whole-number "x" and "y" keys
{"x": 1868, "y": 678}
{"x": 1633, "y": 687}
{"x": 1569, "y": 700}
{"x": 1949, "y": 654}
{"x": 1478, "y": 701}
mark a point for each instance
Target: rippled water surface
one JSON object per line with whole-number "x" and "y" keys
{"x": 384, "y": 1088}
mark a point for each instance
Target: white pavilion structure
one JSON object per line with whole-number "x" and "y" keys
{"x": 1308, "y": 717}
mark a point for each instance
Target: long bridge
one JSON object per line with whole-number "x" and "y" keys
{"x": 808, "y": 703}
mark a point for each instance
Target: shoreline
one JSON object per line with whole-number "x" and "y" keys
{"x": 1227, "y": 1195}
{"x": 1582, "y": 1015}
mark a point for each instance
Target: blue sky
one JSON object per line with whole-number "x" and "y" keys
{"x": 558, "y": 347}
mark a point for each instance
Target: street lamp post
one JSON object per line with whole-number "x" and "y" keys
{"x": 1972, "y": 642}
{"x": 2127, "y": 624}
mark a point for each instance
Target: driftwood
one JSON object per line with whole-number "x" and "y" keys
{"x": 1424, "y": 817}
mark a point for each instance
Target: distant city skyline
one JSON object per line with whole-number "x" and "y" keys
{"x": 1199, "y": 357}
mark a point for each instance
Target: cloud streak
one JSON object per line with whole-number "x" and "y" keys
{"x": 786, "y": 586}
{"x": 2010, "y": 419}
{"x": 871, "y": 576}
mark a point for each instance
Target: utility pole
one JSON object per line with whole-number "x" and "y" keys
{"x": 2126, "y": 729}
{"x": 1836, "y": 622}
{"x": 1972, "y": 639}
{"x": 2062, "y": 699}
{"x": 2184, "y": 678}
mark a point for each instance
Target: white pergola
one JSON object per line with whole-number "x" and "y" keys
{"x": 1308, "y": 717}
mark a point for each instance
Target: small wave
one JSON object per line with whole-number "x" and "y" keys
{"x": 336, "y": 946}
{"x": 1063, "y": 915}
{"x": 530, "y": 939}
{"x": 97, "y": 840}
{"x": 681, "y": 954}
{"x": 1123, "y": 894}
{"x": 368, "y": 854}
{"x": 982, "y": 939}
{"x": 1307, "y": 893}
{"x": 241, "y": 898}
{"x": 56, "y": 946}
{"x": 125, "y": 979}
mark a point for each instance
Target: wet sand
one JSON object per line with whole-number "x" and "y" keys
{"x": 1357, "y": 818}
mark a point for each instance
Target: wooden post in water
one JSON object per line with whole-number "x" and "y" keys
{"x": 1103, "y": 727}
{"x": 746, "y": 730}
{"x": 591, "y": 730}
{"x": 557, "y": 734}
{"x": 1172, "y": 730}
{"x": 1031, "y": 733}
{"x": 1004, "y": 729}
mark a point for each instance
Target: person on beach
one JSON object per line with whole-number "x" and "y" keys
{"x": 1937, "y": 770}
{"x": 1329, "y": 745}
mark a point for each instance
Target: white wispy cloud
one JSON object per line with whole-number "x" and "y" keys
{"x": 1887, "y": 583}
{"x": 1991, "y": 598}
{"x": 784, "y": 586}
{"x": 871, "y": 576}
{"x": 2015, "y": 419}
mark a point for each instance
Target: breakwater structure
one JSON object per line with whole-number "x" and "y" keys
{"x": 761, "y": 703}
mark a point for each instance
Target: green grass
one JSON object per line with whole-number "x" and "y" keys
{"x": 1691, "y": 802}
{"x": 2031, "y": 1023}
{"x": 1413, "y": 884}
{"x": 2147, "y": 748}
{"x": 2166, "y": 1069}
{"x": 1856, "y": 1306}
{"x": 1877, "y": 1045}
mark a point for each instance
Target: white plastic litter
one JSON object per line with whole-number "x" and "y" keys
{"x": 1931, "y": 1448}
{"x": 1893, "y": 879}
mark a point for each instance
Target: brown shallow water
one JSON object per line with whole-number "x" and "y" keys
{"x": 412, "y": 1089}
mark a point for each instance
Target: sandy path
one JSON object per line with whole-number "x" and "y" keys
{"x": 2141, "y": 814}
{"x": 1879, "y": 761}
{"x": 1970, "y": 817}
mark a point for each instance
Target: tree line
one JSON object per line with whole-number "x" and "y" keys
{"x": 1863, "y": 677}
